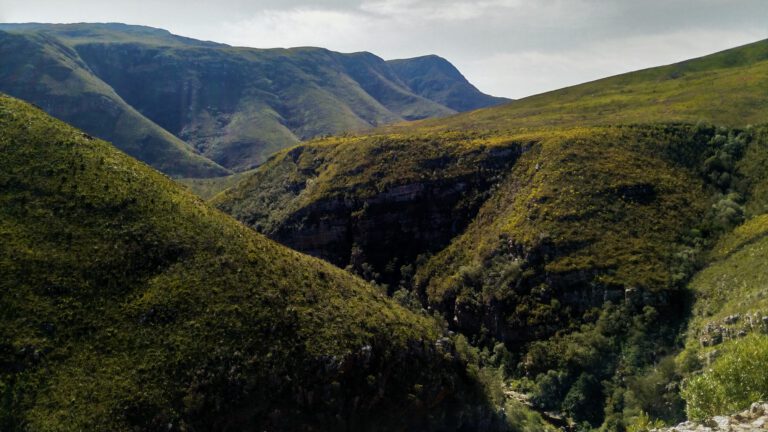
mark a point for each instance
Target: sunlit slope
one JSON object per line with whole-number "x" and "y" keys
{"x": 573, "y": 246}
{"x": 728, "y": 88}
{"x": 126, "y": 303}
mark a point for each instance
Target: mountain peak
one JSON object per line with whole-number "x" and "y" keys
{"x": 438, "y": 79}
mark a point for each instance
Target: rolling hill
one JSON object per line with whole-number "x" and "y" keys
{"x": 127, "y": 303}
{"x": 236, "y": 106}
{"x": 727, "y": 88}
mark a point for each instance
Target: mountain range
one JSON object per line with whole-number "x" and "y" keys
{"x": 591, "y": 258}
{"x": 200, "y": 109}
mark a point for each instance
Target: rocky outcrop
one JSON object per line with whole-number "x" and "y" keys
{"x": 389, "y": 229}
{"x": 751, "y": 420}
{"x": 733, "y": 326}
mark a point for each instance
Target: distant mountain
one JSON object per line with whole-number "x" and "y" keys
{"x": 129, "y": 304}
{"x": 40, "y": 68}
{"x": 435, "y": 78}
{"x": 236, "y": 106}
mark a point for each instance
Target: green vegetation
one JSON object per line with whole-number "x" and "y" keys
{"x": 598, "y": 249}
{"x": 126, "y": 303}
{"x": 576, "y": 254}
{"x": 733, "y": 382}
{"x": 727, "y": 88}
{"x": 235, "y": 106}
{"x": 580, "y": 250}
{"x": 726, "y": 334}
{"x": 41, "y": 69}
{"x": 390, "y": 197}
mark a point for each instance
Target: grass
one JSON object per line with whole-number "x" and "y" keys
{"x": 726, "y": 88}
{"x": 128, "y": 303}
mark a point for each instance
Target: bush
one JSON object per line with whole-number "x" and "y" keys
{"x": 735, "y": 380}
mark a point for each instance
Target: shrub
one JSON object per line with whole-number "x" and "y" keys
{"x": 735, "y": 380}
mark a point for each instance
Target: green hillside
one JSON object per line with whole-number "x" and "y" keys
{"x": 726, "y": 336}
{"x": 41, "y": 69}
{"x": 128, "y": 304}
{"x": 571, "y": 246}
{"x": 237, "y": 106}
{"x": 728, "y": 88}
{"x": 389, "y": 197}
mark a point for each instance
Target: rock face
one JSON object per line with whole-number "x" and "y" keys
{"x": 392, "y": 227}
{"x": 378, "y": 213}
{"x": 752, "y": 420}
{"x": 732, "y": 327}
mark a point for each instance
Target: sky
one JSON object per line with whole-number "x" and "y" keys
{"x": 512, "y": 48}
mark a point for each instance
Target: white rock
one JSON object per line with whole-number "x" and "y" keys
{"x": 722, "y": 422}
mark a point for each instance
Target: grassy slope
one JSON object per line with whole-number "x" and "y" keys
{"x": 394, "y": 196}
{"x": 727, "y": 88}
{"x": 42, "y": 70}
{"x": 128, "y": 303}
{"x": 731, "y": 302}
{"x": 358, "y": 167}
{"x": 734, "y": 280}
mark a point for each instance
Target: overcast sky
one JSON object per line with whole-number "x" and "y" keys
{"x": 510, "y": 48}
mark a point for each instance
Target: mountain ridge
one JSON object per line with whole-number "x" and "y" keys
{"x": 58, "y": 80}
{"x": 237, "y": 105}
